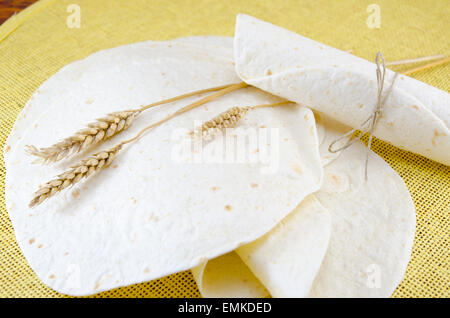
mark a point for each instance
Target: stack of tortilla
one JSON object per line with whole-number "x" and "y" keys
{"x": 298, "y": 221}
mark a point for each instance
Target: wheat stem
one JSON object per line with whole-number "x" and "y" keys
{"x": 427, "y": 66}
{"x": 103, "y": 159}
{"x": 226, "y": 119}
{"x": 70, "y": 177}
{"x": 104, "y": 128}
{"x": 416, "y": 60}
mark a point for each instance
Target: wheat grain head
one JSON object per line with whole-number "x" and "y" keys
{"x": 222, "y": 121}
{"x": 96, "y": 132}
{"x": 70, "y": 177}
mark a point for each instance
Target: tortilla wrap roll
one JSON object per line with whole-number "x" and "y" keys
{"x": 415, "y": 116}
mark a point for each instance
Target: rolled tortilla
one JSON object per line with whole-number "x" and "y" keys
{"x": 151, "y": 214}
{"x": 415, "y": 116}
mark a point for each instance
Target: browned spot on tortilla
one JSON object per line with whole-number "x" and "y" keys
{"x": 269, "y": 72}
{"x": 51, "y": 276}
{"x": 228, "y": 207}
{"x": 311, "y": 131}
{"x": 97, "y": 286}
{"x": 8, "y": 148}
{"x": 147, "y": 270}
{"x": 254, "y": 185}
{"x": 328, "y": 92}
{"x": 436, "y": 135}
{"x": 75, "y": 193}
{"x": 115, "y": 166}
{"x": 36, "y": 125}
{"x": 134, "y": 200}
{"x": 415, "y": 107}
{"x": 256, "y": 150}
{"x": 66, "y": 253}
{"x": 262, "y": 126}
{"x": 296, "y": 48}
{"x": 306, "y": 117}
{"x": 89, "y": 101}
{"x": 361, "y": 105}
{"x": 31, "y": 241}
{"x": 215, "y": 188}
{"x": 390, "y": 124}
{"x": 335, "y": 180}
{"x": 297, "y": 168}
{"x": 40, "y": 246}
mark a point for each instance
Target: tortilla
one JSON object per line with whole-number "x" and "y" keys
{"x": 227, "y": 276}
{"x": 151, "y": 213}
{"x": 287, "y": 259}
{"x": 373, "y": 226}
{"x": 284, "y": 261}
{"x": 415, "y": 116}
{"x": 372, "y": 231}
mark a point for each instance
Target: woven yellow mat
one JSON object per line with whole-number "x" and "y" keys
{"x": 39, "y": 41}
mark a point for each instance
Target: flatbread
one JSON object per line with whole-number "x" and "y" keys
{"x": 151, "y": 213}
{"x": 287, "y": 259}
{"x": 370, "y": 227}
{"x": 227, "y": 276}
{"x": 373, "y": 226}
{"x": 415, "y": 116}
{"x": 283, "y": 262}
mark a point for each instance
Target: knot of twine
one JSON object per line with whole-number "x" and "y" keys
{"x": 368, "y": 125}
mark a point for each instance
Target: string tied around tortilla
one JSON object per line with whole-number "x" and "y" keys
{"x": 368, "y": 125}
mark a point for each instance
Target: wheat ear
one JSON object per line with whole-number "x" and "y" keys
{"x": 100, "y": 130}
{"x": 224, "y": 120}
{"x": 103, "y": 159}
{"x": 96, "y": 132}
{"x": 227, "y": 119}
{"x": 68, "y": 178}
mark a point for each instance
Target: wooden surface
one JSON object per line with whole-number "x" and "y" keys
{"x": 10, "y": 7}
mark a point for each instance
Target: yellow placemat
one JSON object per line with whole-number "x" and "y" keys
{"x": 39, "y": 41}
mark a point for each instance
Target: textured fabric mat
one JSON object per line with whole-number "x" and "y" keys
{"x": 37, "y": 42}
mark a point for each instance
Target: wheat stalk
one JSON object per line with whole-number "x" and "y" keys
{"x": 96, "y": 132}
{"x": 224, "y": 120}
{"x": 104, "y": 158}
{"x": 70, "y": 177}
{"x": 104, "y": 128}
{"x": 227, "y": 119}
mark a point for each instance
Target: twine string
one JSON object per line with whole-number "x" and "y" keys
{"x": 368, "y": 125}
